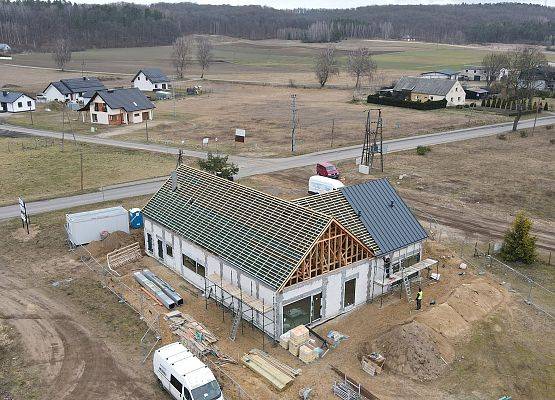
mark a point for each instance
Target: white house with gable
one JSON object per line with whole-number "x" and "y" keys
{"x": 151, "y": 80}
{"x": 14, "y": 102}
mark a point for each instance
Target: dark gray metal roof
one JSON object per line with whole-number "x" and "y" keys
{"x": 263, "y": 236}
{"x": 84, "y": 84}
{"x": 438, "y": 87}
{"x": 385, "y": 215}
{"x": 9, "y": 97}
{"x": 155, "y": 75}
{"x": 446, "y": 71}
{"x": 63, "y": 89}
{"x": 130, "y": 99}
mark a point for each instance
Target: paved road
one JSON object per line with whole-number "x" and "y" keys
{"x": 248, "y": 166}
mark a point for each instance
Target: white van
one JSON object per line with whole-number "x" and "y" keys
{"x": 183, "y": 375}
{"x": 320, "y": 184}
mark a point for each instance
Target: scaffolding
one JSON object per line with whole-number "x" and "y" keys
{"x": 241, "y": 304}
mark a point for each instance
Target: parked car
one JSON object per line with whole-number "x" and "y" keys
{"x": 327, "y": 169}
{"x": 320, "y": 184}
{"x": 183, "y": 375}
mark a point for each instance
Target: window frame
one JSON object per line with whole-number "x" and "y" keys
{"x": 169, "y": 250}
{"x": 193, "y": 265}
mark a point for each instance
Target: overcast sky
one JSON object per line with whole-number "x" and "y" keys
{"x": 321, "y": 3}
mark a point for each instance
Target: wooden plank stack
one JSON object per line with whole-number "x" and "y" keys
{"x": 274, "y": 371}
{"x": 124, "y": 255}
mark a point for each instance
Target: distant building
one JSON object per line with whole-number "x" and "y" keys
{"x": 541, "y": 78}
{"x": 150, "y": 80}
{"x": 78, "y": 89}
{"x": 476, "y": 93}
{"x": 14, "y": 102}
{"x": 424, "y": 89}
{"x": 441, "y": 74}
{"x": 479, "y": 73}
{"x": 5, "y": 48}
{"x": 119, "y": 106}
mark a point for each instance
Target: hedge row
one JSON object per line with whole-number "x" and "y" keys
{"x": 512, "y": 104}
{"x": 392, "y": 101}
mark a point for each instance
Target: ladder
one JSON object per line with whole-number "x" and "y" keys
{"x": 406, "y": 284}
{"x": 235, "y": 323}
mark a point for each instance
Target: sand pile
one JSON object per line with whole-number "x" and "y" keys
{"x": 414, "y": 350}
{"x": 113, "y": 241}
{"x": 474, "y": 300}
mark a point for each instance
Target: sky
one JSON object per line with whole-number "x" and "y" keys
{"x": 321, "y": 3}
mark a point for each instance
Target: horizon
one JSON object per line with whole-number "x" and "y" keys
{"x": 323, "y": 4}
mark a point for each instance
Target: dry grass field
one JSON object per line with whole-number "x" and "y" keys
{"x": 265, "y": 114}
{"x": 37, "y": 168}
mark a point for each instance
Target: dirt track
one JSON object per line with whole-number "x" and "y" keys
{"x": 73, "y": 362}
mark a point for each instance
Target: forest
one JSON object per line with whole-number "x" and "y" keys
{"x": 37, "y": 25}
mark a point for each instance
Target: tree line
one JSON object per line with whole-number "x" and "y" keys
{"x": 37, "y": 25}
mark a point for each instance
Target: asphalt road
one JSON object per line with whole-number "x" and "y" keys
{"x": 248, "y": 166}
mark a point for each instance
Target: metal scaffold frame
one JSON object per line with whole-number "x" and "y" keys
{"x": 237, "y": 301}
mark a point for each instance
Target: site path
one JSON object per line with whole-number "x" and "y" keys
{"x": 73, "y": 363}
{"x": 248, "y": 166}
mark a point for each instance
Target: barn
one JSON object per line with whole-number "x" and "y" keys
{"x": 279, "y": 263}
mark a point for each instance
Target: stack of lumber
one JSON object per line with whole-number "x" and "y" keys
{"x": 298, "y": 336}
{"x": 124, "y": 255}
{"x": 196, "y": 337}
{"x": 280, "y": 375}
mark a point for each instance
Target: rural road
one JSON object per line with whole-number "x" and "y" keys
{"x": 248, "y": 166}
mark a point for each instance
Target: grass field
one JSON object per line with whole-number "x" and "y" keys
{"x": 37, "y": 168}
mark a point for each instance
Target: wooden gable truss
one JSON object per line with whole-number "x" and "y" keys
{"x": 335, "y": 248}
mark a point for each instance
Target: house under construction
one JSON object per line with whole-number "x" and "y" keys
{"x": 279, "y": 263}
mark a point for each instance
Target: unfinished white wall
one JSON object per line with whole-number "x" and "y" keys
{"x": 213, "y": 265}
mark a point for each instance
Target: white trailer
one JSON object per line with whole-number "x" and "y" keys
{"x": 183, "y": 375}
{"x": 85, "y": 227}
{"x": 320, "y": 184}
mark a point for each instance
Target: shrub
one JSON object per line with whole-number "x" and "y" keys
{"x": 518, "y": 244}
{"x": 422, "y": 150}
{"x": 546, "y": 107}
{"x": 218, "y": 165}
{"x": 392, "y": 101}
{"x": 488, "y": 103}
{"x": 502, "y": 136}
{"x": 483, "y": 102}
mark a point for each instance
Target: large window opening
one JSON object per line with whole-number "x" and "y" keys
{"x": 193, "y": 265}
{"x": 149, "y": 242}
{"x": 349, "y": 294}
{"x": 302, "y": 312}
{"x": 160, "y": 249}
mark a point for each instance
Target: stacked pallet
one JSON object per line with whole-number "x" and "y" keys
{"x": 280, "y": 375}
{"x": 299, "y": 343}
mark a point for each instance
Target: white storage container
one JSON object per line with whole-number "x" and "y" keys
{"x": 85, "y": 227}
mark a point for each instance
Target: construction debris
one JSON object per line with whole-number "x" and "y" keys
{"x": 344, "y": 391}
{"x": 123, "y": 255}
{"x": 373, "y": 363}
{"x": 196, "y": 337}
{"x": 278, "y": 374}
{"x": 350, "y": 387}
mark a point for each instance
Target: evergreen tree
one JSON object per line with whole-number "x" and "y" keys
{"x": 518, "y": 244}
{"x": 218, "y": 165}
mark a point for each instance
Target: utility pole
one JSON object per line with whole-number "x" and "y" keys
{"x": 146, "y": 129}
{"x": 81, "y": 159}
{"x": 174, "y": 105}
{"x": 332, "y": 129}
{"x": 83, "y": 67}
{"x": 536, "y": 116}
{"x": 293, "y": 122}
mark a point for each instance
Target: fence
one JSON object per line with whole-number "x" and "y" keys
{"x": 529, "y": 289}
{"x": 135, "y": 299}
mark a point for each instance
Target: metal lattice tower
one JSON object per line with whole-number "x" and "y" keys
{"x": 373, "y": 139}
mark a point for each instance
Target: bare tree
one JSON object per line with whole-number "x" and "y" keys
{"x": 180, "y": 53}
{"x": 523, "y": 68}
{"x": 62, "y": 53}
{"x": 386, "y": 29}
{"x": 325, "y": 65}
{"x": 493, "y": 64}
{"x": 361, "y": 65}
{"x": 204, "y": 53}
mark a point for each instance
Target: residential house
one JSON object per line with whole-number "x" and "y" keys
{"x": 283, "y": 263}
{"x": 479, "y": 73}
{"x": 119, "y": 106}
{"x": 77, "y": 89}
{"x": 424, "y": 89}
{"x": 150, "y": 80}
{"x": 14, "y": 102}
{"x": 441, "y": 74}
{"x": 539, "y": 78}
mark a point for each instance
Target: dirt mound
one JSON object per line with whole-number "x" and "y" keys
{"x": 20, "y": 234}
{"x": 444, "y": 320}
{"x": 415, "y": 350}
{"x": 474, "y": 300}
{"x": 113, "y": 241}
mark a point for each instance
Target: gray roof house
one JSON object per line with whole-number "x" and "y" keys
{"x": 151, "y": 79}
{"x": 15, "y": 102}
{"x": 119, "y": 106}
{"x": 73, "y": 89}
{"x": 424, "y": 89}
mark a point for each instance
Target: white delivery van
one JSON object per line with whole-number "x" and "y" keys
{"x": 183, "y": 375}
{"x": 320, "y": 184}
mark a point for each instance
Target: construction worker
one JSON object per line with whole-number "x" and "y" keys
{"x": 419, "y": 296}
